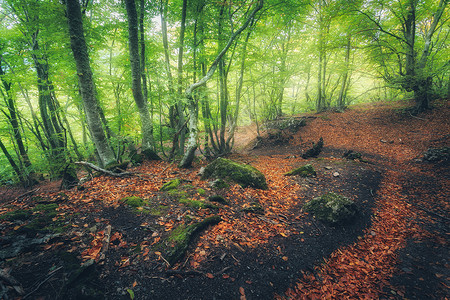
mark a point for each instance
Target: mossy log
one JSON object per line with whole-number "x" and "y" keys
{"x": 181, "y": 237}
{"x": 245, "y": 175}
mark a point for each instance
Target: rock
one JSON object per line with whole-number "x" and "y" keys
{"x": 255, "y": 208}
{"x": 332, "y": 209}
{"x": 328, "y": 168}
{"x": 352, "y": 155}
{"x": 245, "y": 175}
{"x": 171, "y": 185}
{"x": 303, "y": 171}
{"x": 315, "y": 150}
{"x": 132, "y": 201}
{"x": 150, "y": 154}
{"x": 336, "y": 174}
{"x": 219, "y": 184}
{"x": 437, "y": 154}
{"x": 218, "y": 199}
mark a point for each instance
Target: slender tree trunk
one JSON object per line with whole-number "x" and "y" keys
{"x": 141, "y": 103}
{"x": 343, "y": 90}
{"x": 14, "y": 121}
{"x": 189, "y": 155}
{"x": 13, "y": 164}
{"x": 80, "y": 53}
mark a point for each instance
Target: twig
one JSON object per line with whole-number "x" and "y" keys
{"x": 11, "y": 280}
{"x": 222, "y": 271}
{"x": 42, "y": 282}
{"x": 417, "y": 117}
{"x": 317, "y": 226}
{"x": 184, "y": 273}
{"x": 28, "y": 193}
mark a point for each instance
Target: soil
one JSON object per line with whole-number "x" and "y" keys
{"x": 281, "y": 253}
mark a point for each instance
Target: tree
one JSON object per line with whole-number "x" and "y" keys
{"x": 396, "y": 40}
{"x": 193, "y": 104}
{"x": 91, "y": 107}
{"x": 136, "y": 73}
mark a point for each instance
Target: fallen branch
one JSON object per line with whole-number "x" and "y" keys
{"x": 106, "y": 240}
{"x": 97, "y": 168}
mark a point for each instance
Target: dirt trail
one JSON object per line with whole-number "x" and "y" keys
{"x": 396, "y": 248}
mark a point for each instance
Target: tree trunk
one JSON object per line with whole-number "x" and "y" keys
{"x": 13, "y": 163}
{"x": 189, "y": 155}
{"x": 141, "y": 103}
{"x": 80, "y": 53}
{"x": 343, "y": 91}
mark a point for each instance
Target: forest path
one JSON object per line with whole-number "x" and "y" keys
{"x": 397, "y": 247}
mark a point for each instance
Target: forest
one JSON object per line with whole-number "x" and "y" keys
{"x": 177, "y": 149}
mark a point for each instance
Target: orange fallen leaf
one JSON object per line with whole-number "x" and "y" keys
{"x": 209, "y": 275}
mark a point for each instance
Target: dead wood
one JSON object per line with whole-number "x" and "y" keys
{"x": 98, "y": 169}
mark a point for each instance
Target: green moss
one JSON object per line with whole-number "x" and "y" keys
{"x": 133, "y": 201}
{"x": 197, "y": 203}
{"x": 171, "y": 185}
{"x": 178, "y": 194}
{"x": 201, "y": 191}
{"x": 157, "y": 210}
{"x": 303, "y": 171}
{"x": 331, "y": 208}
{"x": 245, "y": 175}
{"x": 14, "y": 215}
{"x": 219, "y": 184}
{"x": 176, "y": 245}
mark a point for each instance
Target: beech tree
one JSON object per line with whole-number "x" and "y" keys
{"x": 91, "y": 107}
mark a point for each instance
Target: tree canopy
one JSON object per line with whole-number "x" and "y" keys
{"x": 114, "y": 81}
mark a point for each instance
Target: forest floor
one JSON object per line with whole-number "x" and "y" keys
{"x": 56, "y": 244}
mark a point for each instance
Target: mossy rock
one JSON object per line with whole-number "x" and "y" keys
{"x": 219, "y": 184}
{"x": 137, "y": 158}
{"x": 218, "y": 199}
{"x": 255, "y": 208}
{"x": 437, "y": 154}
{"x": 151, "y": 155}
{"x": 303, "y": 171}
{"x": 178, "y": 242}
{"x": 197, "y": 203}
{"x": 133, "y": 201}
{"x": 352, "y": 155}
{"x": 332, "y": 209}
{"x": 171, "y": 185}
{"x": 201, "y": 191}
{"x": 245, "y": 175}
{"x": 16, "y": 215}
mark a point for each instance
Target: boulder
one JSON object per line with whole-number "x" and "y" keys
{"x": 245, "y": 175}
{"x": 332, "y": 209}
{"x": 303, "y": 171}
